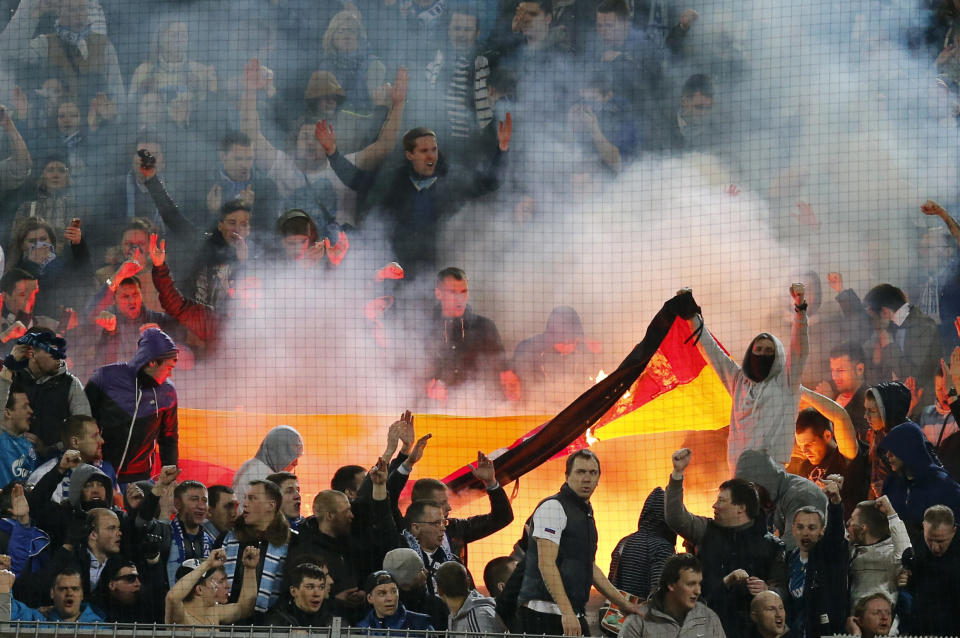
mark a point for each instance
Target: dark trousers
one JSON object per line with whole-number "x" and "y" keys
{"x": 537, "y": 623}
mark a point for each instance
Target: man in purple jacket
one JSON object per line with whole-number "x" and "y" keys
{"x": 136, "y": 407}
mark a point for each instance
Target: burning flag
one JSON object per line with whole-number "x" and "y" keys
{"x": 663, "y": 384}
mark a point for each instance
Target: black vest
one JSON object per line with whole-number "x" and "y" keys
{"x": 575, "y": 558}
{"x": 50, "y": 402}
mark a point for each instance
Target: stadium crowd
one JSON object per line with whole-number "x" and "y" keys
{"x": 134, "y": 157}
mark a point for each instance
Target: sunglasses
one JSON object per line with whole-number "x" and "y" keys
{"x": 128, "y": 578}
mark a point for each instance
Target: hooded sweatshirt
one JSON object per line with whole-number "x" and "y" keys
{"x": 893, "y": 402}
{"x": 134, "y": 412}
{"x": 921, "y": 482}
{"x": 787, "y": 491}
{"x": 279, "y": 449}
{"x": 478, "y": 615}
{"x": 764, "y": 412}
{"x": 637, "y": 560}
{"x": 81, "y": 476}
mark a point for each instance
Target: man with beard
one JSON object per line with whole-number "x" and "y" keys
{"x": 89, "y": 488}
{"x": 129, "y": 593}
{"x": 82, "y": 434}
{"x": 348, "y": 538}
{"x": 66, "y": 592}
{"x": 765, "y": 388}
{"x": 878, "y": 539}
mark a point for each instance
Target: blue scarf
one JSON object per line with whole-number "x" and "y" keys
{"x": 431, "y": 561}
{"x": 176, "y": 528}
{"x": 271, "y": 580}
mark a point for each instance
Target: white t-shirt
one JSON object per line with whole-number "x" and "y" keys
{"x": 549, "y": 521}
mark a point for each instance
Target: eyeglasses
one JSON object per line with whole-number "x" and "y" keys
{"x": 128, "y": 578}
{"x": 442, "y": 524}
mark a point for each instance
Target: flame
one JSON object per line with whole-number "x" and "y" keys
{"x": 601, "y": 375}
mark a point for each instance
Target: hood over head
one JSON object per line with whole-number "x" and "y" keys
{"x": 757, "y": 467}
{"x": 652, "y": 518}
{"x": 760, "y": 368}
{"x": 563, "y": 325}
{"x": 893, "y": 401}
{"x": 908, "y": 443}
{"x": 81, "y": 476}
{"x": 153, "y": 344}
{"x": 280, "y": 448}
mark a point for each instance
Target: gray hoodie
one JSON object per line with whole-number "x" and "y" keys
{"x": 80, "y": 476}
{"x": 478, "y": 615}
{"x": 280, "y": 448}
{"x": 764, "y": 413}
{"x": 787, "y": 491}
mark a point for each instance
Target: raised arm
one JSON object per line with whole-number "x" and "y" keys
{"x": 351, "y": 176}
{"x": 370, "y": 157}
{"x": 680, "y": 520}
{"x": 843, "y": 429}
{"x": 725, "y": 367}
{"x": 934, "y": 209}
{"x": 255, "y": 78}
{"x": 182, "y": 588}
{"x": 247, "y": 600}
{"x": 799, "y": 335}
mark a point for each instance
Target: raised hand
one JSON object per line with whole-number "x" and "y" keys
{"x": 797, "y": 292}
{"x": 107, "y": 320}
{"x": 251, "y": 557}
{"x": 681, "y": 459}
{"x": 72, "y": 233}
{"x": 158, "y": 250}
{"x": 326, "y": 136}
{"x": 337, "y": 251}
{"x": 485, "y": 470}
{"x": 931, "y": 207}
{"x": 218, "y": 557}
{"x": 835, "y": 280}
{"x": 215, "y": 198}
{"x": 505, "y": 132}
{"x": 378, "y": 473}
{"x": 70, "y": 460}
{"x": 398, "y": 92}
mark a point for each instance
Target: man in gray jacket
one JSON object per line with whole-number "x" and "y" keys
{"x": 674, "y": 610}
{"x": 470, "y": 611}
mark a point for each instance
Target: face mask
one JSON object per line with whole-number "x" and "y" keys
{"x": 758, "y": 366}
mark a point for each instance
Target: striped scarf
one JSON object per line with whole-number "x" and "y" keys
{"x": 271, "y": 579}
